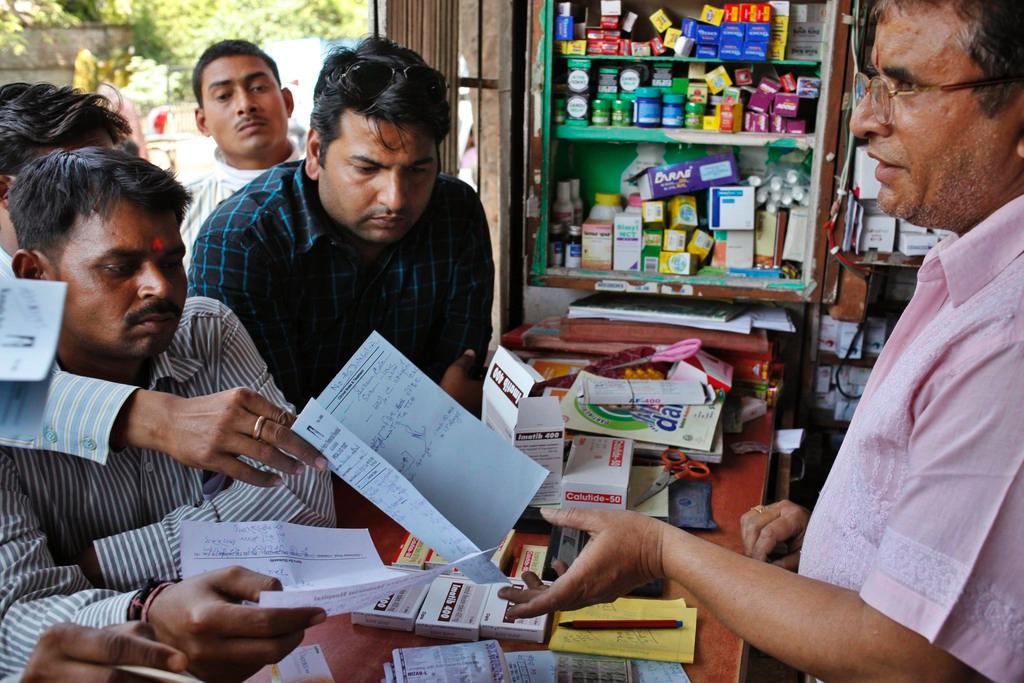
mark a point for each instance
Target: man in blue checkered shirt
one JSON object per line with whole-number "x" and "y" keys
{"x": 362, "y": 235}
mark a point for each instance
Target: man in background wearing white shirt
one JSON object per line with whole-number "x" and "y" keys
{"x": 242, "y": 106}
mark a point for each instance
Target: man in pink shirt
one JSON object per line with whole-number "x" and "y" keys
{"x": 910, "y": 566}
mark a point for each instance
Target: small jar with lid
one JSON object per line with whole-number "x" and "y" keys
{"x": 601, "y": 113}
{"x": 647, "y": 113}
{"x": 622, "y": 113}
{"x": 672, "y": 110}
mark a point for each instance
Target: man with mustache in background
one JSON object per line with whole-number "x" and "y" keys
{"x": 364, "y": 234}
{"x": 240, "y": 104}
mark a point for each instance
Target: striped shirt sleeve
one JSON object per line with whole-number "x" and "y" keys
{"x": 79, "y": 419}
{"x": 35, "y": 593}
{"x": 133, "y": 557}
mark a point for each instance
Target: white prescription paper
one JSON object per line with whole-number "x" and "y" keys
{"x": 531, "y": 666}
{"x": 596, "y": 390}
{"x": 30, "y": 322}
{"x": 337, "y": 570}
{"x": 303, "y": 665}
{"x": 647, "y": 671}
{"x": 479, "y": 662}
{"x": 464, "y": 486}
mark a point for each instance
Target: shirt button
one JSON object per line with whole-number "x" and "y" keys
{"x": 148, "y": 467}
{"x": 50, "y": 435}
{"x": 89, "y": 444}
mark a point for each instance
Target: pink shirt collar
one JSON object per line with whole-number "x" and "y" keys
{"x": 971, "y": 261}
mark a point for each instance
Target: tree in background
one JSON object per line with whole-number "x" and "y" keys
{"x": 17, "y": 15}
{"x": 177, "y": 31}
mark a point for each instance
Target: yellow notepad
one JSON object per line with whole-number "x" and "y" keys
{"x": 661, "y": 644}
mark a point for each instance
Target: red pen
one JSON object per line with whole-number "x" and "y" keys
{"x": 584, "y": 624}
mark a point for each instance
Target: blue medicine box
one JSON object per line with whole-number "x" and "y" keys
{"x": 730, "y": 50}
{"x": 759, "y": 32}
{"x": 707, "y": 52}
{"x": 563, "y": 27}
{"x": 707, "y": 33}
{"x": 755, "y": 52}
{"x": 689, "y": 28}
{"x": 733, "y": 33}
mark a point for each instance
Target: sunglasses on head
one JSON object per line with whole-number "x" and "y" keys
{"x": 368, "y": 79}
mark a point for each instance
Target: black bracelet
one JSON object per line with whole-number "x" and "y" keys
{"x": 139, "y": 599}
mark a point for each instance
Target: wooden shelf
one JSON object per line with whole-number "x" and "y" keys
{"x": 682, "y": 135}
{"x": 709, "y": 286}
{"x": 629, "y": 58}
{"x": 881, "y": 258}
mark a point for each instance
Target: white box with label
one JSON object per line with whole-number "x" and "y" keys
{"x": 452, "y": 609}
{"x": 597, "y": 474}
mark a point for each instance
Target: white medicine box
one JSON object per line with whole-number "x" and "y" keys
{"x": 731, "y": 207}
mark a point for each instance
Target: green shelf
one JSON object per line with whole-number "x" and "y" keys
{"x": 628, "y": 58}
{"x": 681, "y": 136}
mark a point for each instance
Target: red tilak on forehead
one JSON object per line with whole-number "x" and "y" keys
{"x": 158, "y": 244}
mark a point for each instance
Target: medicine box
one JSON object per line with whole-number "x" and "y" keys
{"x": 675, "y": 240}
{"x": 686, "y": 177}
{"x": 628, "y": 242}
{"x": 739, "y": 249}
{"x": 531, "y": 559}
{"x": 731, "y": 208}
{"x": 878, "y": 232}
{"x": 452, "y": 609}
{"x": 533, "y": 424}
{"x": 412, "y": 553}
{"x": 496, "y": 623}
{"x": 678, "y": 263}
{"x": 597, "y": 474}
{"x": 864, "y": 174}
{"x": 916, "y": 244}
{"x": 396, "y": 612}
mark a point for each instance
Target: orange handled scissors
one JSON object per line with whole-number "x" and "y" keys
{"x": 677, "y": 466}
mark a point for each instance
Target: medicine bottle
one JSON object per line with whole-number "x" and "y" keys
{"x": 648, "y": 107}
{"x": 574, "y": 247}
{"x": 672, "y": 110}
{"x": 601, "y": 113}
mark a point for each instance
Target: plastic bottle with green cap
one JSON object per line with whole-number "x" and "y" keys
{"x": 622, "y": 113}
{"x": 601, "y": 113}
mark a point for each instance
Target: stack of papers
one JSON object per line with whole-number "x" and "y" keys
{"x": 706, "y": 315}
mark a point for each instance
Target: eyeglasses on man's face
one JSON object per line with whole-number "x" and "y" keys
{"x": 882, "y": 95}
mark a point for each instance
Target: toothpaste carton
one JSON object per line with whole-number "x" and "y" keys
{"x": 686, "y": 177}
{"x": 597, "y": 474}
{"x": 496, "y": 623}
{"x": 452, "y": 609}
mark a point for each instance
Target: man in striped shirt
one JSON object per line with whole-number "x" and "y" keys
{"x": 241, "y": 104}
{"x": 78, "y": 541}
{"x": 87, "y": 416}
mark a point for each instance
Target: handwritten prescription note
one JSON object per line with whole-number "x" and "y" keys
{"x": 335, "y": 569}
{"x": 400, "y": 440}
{"x": 30, "y": 320}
